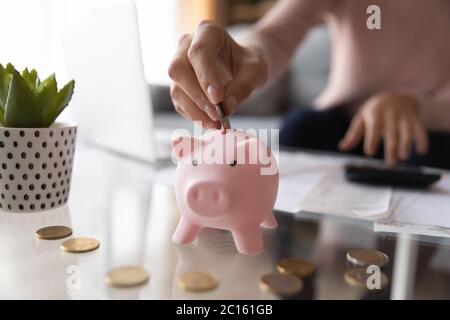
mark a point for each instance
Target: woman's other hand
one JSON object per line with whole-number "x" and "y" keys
{"x": 392, "y": 117}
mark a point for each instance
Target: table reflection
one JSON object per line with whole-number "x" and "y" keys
{"x": 214, "y": 252}
{"x": 32, "y": 268}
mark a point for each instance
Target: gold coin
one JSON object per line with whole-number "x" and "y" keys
{"x": 296, "y": 267}
{"x": 357, "y": 277}
{"x": 197, "y": 282}
{"x": 127, "y": 276}
{"x": 281, "y": 284}
{"x": 79, "y": 245}
{"x": 367, "y": 257}
{"x": 53, "y": 232}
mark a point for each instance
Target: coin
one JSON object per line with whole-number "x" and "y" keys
{"x": 127, "y": 276}
{"x": 281, "y": 284}
{"x": 224, "y": 120}
{"x": 79, "y": 245}
{"x": 197, "y": 281}
{"x": 366, "y": 257}
{"x": 357, "y": 277}
{"x": 296, "y": 267}
{"x": 53, "y": 232}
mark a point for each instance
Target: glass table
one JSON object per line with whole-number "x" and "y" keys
{"x": 124, "y": 204}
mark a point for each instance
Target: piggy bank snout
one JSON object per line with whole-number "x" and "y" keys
{"x": 207, "y": 198}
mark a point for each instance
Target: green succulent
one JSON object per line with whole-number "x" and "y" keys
{"x": 28, "y": 102}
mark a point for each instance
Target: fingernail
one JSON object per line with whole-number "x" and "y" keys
{"x": 231, "y": 103}
{"x": 422, "y": 150}
{"x": 343, "y": 144}
{"x": 213, "y": 94}
{"x": 211, "y": 112}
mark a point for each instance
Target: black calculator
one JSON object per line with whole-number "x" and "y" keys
{"x": 400, "y": 176}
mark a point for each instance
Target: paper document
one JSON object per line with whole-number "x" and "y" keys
{"x": 299, "y": 172}
{"x": 335, "y": 195}
{"x": 424, "y": 208}
{"x": 315, "y": 183}
{"x": 410, "y": 228}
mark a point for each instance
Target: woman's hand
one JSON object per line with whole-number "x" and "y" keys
{"x": 393, "y": 117}
{"x": 210, "y": 67}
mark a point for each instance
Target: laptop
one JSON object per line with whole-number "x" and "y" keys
{"x": 111, "y": 103}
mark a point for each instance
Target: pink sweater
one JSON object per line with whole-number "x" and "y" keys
{"x": 411, "y": 51}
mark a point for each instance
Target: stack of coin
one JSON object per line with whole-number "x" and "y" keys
{"x": 357, "y": 277}
{"x": 367, "y": 257}
{"x": 127, "y": 276}
{"x": 197, "y": 282}
{"x": 53, "y": 233}
{"x": 283, "y": 285}
{"x": 80, "y": 245}
{"x": 363, "y": 258}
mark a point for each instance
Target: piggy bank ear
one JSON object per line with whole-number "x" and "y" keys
{"x": 182, "y": 146}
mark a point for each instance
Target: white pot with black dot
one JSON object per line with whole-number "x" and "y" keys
{"x": 36, "y": 167}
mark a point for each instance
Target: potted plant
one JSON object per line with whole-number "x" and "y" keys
{"x": 36, "y": 154}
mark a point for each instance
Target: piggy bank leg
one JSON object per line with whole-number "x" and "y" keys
{"x": 248, "y": 240}
{"x": 186, "y": 232}
{"x": 269, "y": 222}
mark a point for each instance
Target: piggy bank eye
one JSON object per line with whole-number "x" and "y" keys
{"x": 233, "y": 163}
{"x": 194, "y": 163}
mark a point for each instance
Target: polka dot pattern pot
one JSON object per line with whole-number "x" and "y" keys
{"x": 36, "y": 167}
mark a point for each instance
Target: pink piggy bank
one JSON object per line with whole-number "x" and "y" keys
{"x": 226, "y": 181}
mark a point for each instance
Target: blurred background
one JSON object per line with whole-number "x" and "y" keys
{"x": 37, "y": 34}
